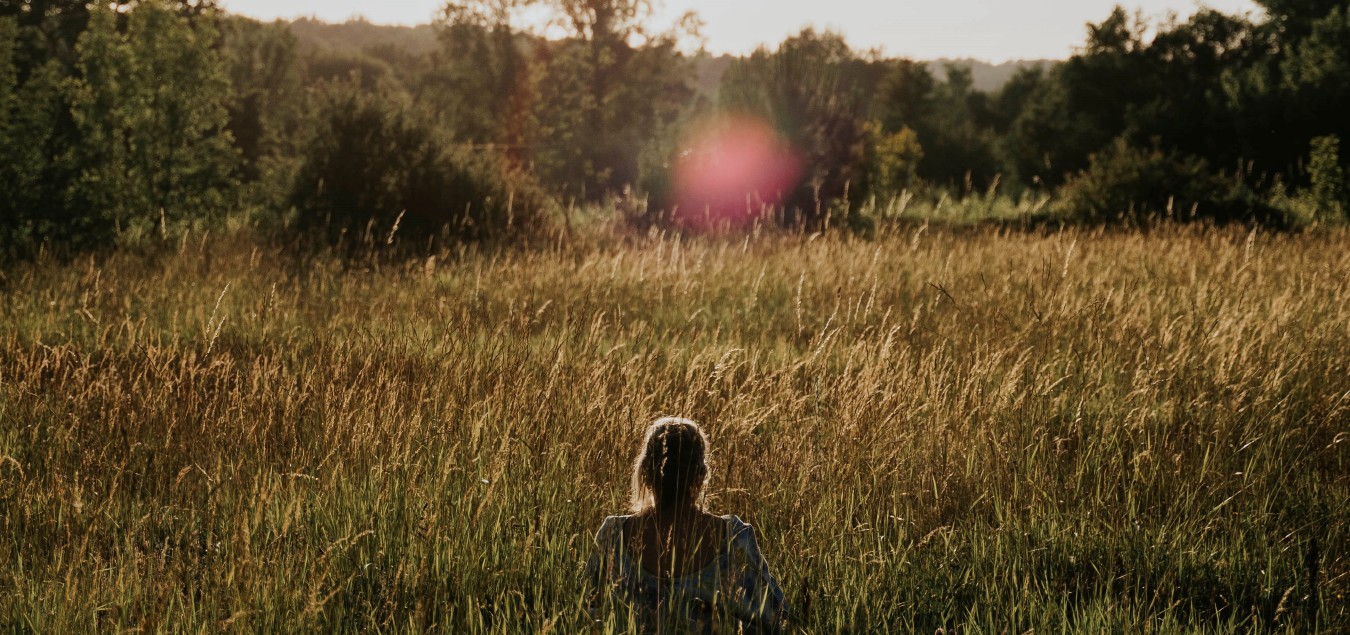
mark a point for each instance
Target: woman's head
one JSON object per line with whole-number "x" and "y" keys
{"x": 670, "y": 470}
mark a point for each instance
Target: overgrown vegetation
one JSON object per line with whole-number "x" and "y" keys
{"x": 976, "y": 430}
{"x": 376, "y": 168}
{"x": 1129, "y": 185}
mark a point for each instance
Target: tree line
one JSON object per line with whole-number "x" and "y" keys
{"x": 143, "y": 117}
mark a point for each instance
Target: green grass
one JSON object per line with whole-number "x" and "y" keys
{"x": 971, "y": 429}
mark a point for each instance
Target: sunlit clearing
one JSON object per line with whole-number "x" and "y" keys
{"x": 734, "y": 170}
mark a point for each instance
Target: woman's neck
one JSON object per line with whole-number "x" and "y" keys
{"x": 674, "y": 515}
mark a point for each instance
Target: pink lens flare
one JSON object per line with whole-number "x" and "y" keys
{"x": 734, "y": 169}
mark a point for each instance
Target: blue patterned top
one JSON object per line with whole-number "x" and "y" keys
{"x": 734, "y": 593}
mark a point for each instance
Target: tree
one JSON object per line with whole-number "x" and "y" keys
{"x": 803, "y": 90}
{"x": 149, "y": 104}
{"x": 480, "y": 79}
{"x": 25, "y": 123}
{"x": 266, "y": 100}
{"x": 1327, "y": 189}
{"x": 906, "y": 97}
{"x": 1124, "y": 183}
{"x": 612, "y": 87}
{"x": 1295, "y": 19}
{"x": 47, "y": 31}
{"x": 35, "y": 167}
{"x": 113, "y": 117}
{"x": 1248, "y": 97}
{"x": 579, "y": 110}
{"x": 897, "y": 156}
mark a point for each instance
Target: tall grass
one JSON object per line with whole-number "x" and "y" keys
{"x": 968, "y": 429}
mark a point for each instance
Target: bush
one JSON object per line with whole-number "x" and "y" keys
{"x": 895, "y": 161}
{"x": 376, "y": 166}
{"x": 1326, "y": 191}
{"x": 1131, "y": 185}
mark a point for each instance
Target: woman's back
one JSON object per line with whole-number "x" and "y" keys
{"x": 728, "y": 589}
{"x": 663, "y": 552}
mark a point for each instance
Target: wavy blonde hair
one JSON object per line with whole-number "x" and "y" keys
{"x": 672, "y": 467}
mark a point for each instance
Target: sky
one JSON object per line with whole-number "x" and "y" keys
{"x": 991, "y": 30}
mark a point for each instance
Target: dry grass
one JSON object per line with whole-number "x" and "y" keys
{"x": 979, "y": 431}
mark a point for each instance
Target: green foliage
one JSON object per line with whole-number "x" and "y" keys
{"x": 266, "y": 104}
{"x": 905, "y": 96}
{"x": 580, "y": 111}
{"x": 1083, "y": 106}
{"x": 811, "y": 90}
{"x": 133, "y": 115}
{"x": 1297, "y": 17}
{"x": 479, "y": 80}
{"x": 1124, "y": 183}
{"x": 35, "y": 137}
{"x": 116, "y": 125}
{"x": 1234, "y": 91}
{"x": 655, "y": 192}
{"x": 1173, "y": 89}
{"x": 9, "y": 75}
{"x": 47, "y": 32}
{"x": 358, "y": 35}
{"x": 605, "y": 93}
{"x": 1328, "y": 189}
{"x": 33, "y": 169}
{"x": 149, "y": 104}
{"x": 371, "y": 73}
{"x": 959, "y": 149}
{"x": 957, "y": 125}
{"x": 896, "y": 159}
{"x": 1003, "y": 107}
{"x": 376, "y": 167}
{"x": 1315, "y": 81}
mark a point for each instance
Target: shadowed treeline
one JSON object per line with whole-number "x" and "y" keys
{"x": 137, "y": 120}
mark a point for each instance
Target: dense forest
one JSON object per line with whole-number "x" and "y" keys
{"x": 135, "y": 119}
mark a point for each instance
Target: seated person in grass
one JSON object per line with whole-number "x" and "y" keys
{"x": 671, "y": 566}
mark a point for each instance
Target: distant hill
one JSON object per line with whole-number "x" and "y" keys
{"x": 985, "y": 76}
{"x": 359, "y": 35}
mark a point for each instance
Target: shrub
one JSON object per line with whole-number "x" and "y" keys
{"x": 376, "y": 166}
{"x": 1327, "y": 192}
{"x": 895, "y": 161}
{"x": 1132, "y": 185}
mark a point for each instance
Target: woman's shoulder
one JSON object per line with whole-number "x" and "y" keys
{"x": 738, "y": 529}
{"x": 611, "y": 529}
{"x": 741, "y": 536}
{"x": 616, "y": 521}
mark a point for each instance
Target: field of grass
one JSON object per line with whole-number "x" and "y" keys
{"x": 984, "y": 431}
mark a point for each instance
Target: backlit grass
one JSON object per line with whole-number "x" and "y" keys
{"x": 984, "y": 431}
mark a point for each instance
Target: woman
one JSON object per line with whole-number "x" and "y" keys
{"x": 671, "y": 566}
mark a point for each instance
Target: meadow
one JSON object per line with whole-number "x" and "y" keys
{"x": 973, "y": 429}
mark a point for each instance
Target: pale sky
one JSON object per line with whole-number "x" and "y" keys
{"x": 993, "y": 30}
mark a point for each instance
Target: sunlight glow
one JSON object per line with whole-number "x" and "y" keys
{"x": 735, "y": 169}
